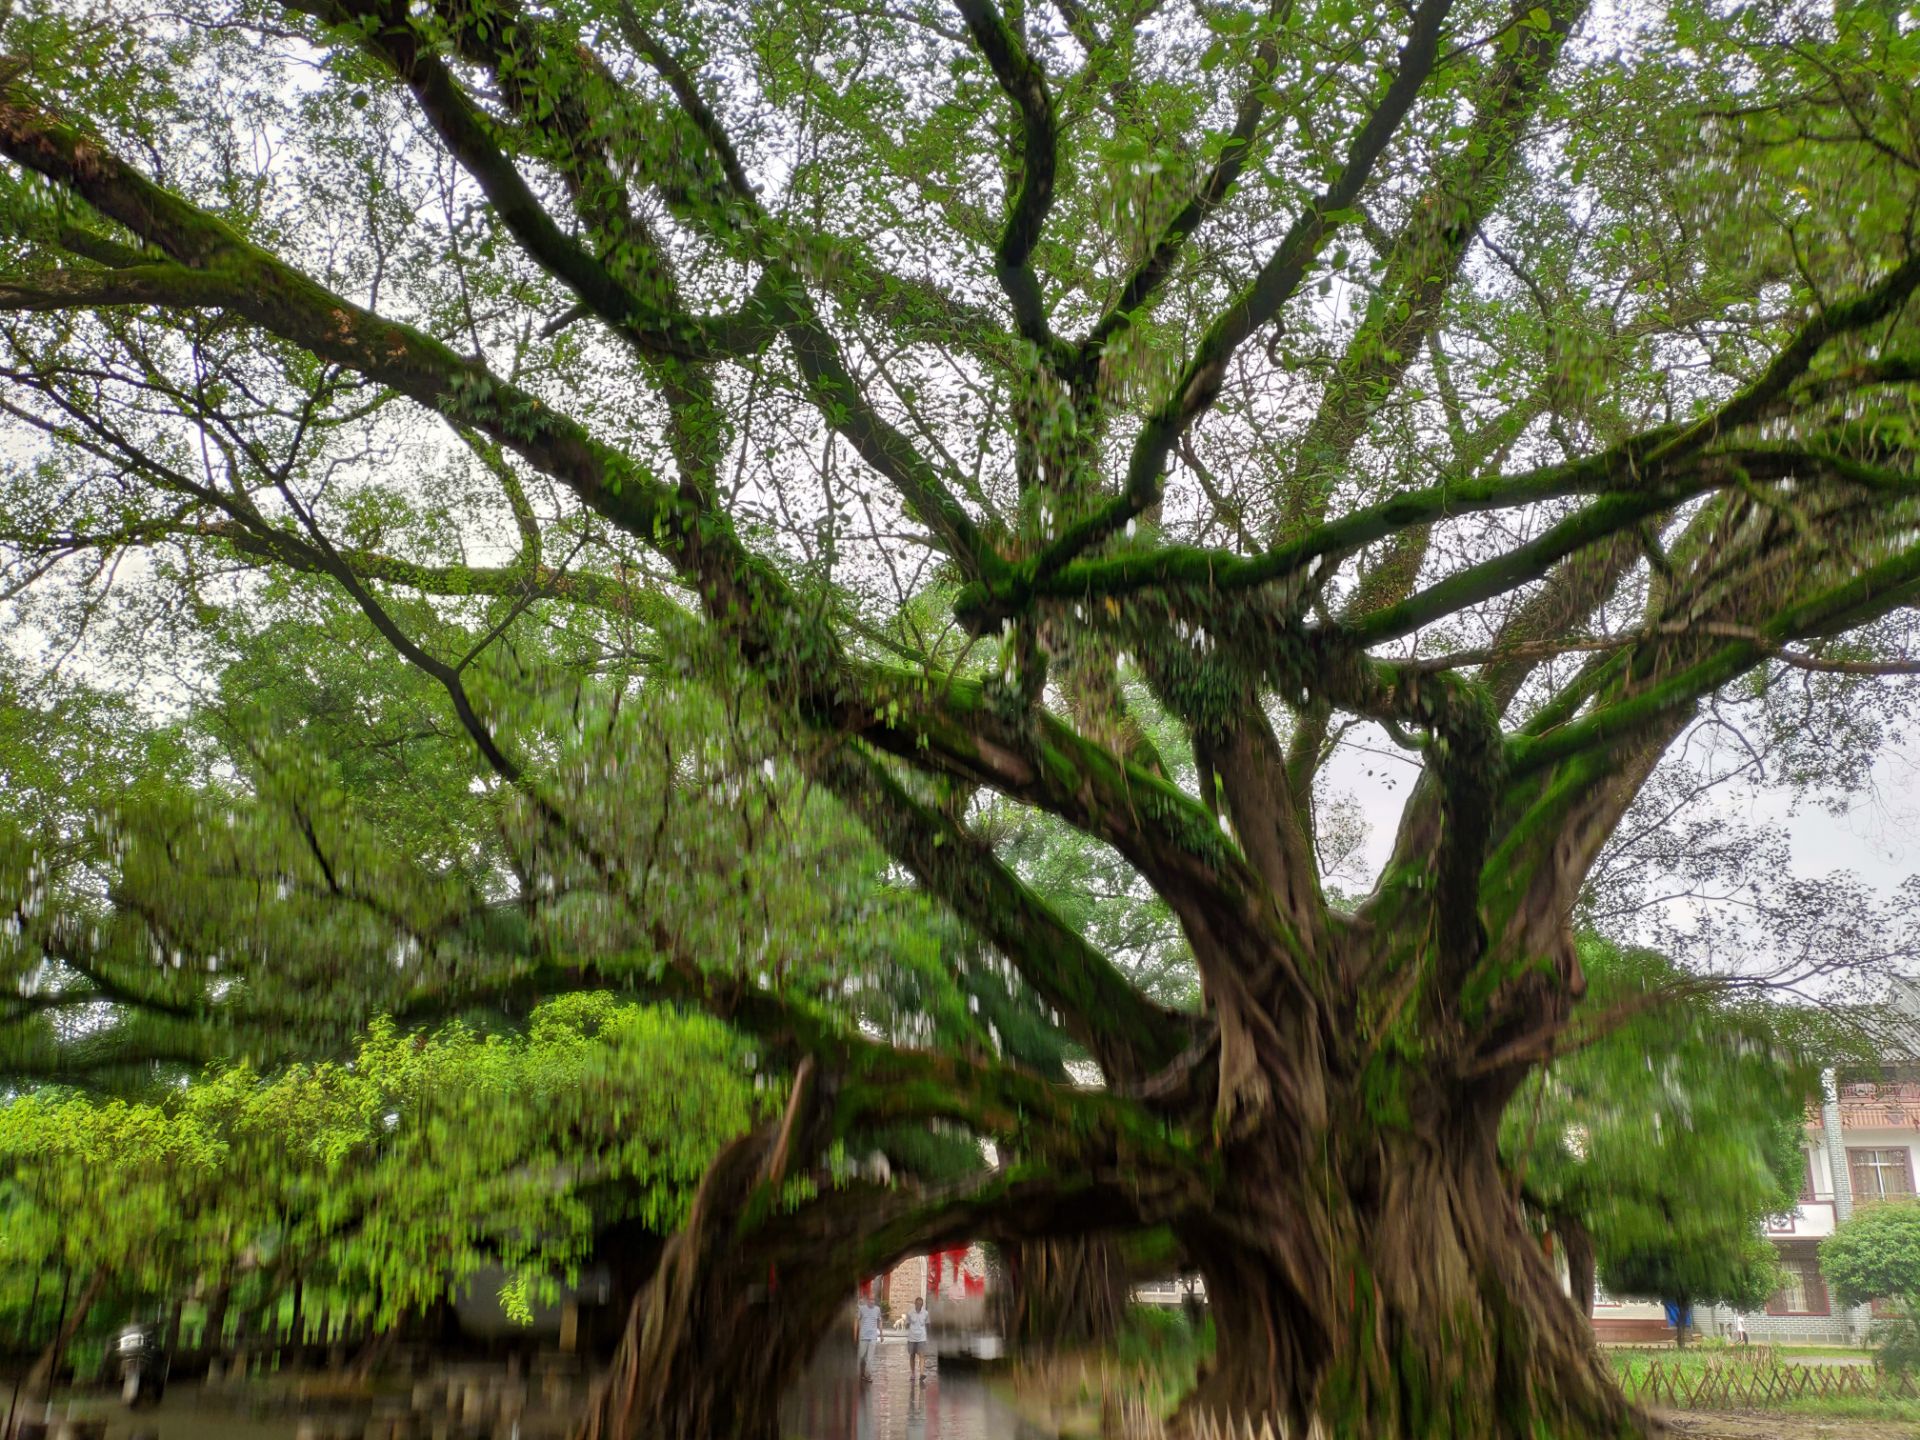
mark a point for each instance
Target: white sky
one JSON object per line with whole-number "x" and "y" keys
{"x": 1874, "y": 834}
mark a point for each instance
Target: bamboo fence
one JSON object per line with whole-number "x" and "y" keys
{"x": 1737, "y": 1385}
{"x": 1132, "y": 1407}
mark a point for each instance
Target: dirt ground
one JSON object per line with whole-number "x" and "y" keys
{"x": 1771, "y": 1425}
{"x": 179, "y": 1418}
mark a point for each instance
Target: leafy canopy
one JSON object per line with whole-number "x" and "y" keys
{"x": 392, "y": 1177}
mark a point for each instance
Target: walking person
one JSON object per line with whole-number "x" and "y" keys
{"x": 917, "y": 1340}
{"x": 866, "y": 1331}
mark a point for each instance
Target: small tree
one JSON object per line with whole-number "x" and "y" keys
{"x": 1654, "y": 1154}
{"x": 1715, "y": 1263}
{"x": 1875, "y": 1255}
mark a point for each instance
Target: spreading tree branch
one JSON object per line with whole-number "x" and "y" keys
{"x": 1025, "y": 83}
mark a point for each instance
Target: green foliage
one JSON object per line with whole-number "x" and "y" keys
{"x": 1896, "y": 1342}
{"x": 1163, "y": 1351}
{"x": 1164, "y": 1337}
{"x": 1875, "y": 1255}
{"x": 392, "y": 1177}
{"x": 307, "y": 848}
{"x": 1671, "y": 1138}
{"x": 110, "y": 1185}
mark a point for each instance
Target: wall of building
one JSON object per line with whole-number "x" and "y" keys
{"x": 906, "y": 1283}
{"x": 1628, "y": 1320}
{"x": 953, "y": 1282}
{"x": 1882, "y": 1115}
{"x": 1761, "y": 1328}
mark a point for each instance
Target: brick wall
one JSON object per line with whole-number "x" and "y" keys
{"x": 906, "y": 1283}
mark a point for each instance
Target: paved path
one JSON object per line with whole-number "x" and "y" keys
{"x": 832, "y": 1404}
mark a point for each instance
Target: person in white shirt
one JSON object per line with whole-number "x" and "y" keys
{"x": 917, "y": 1339}
{"x": 866, "y": 1331}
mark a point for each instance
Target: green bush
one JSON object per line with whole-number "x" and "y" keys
{"x": 1896, "y": 1341}
{"x": 1166, "y": 1347}
{"x": 1162, "y": 1338}
{"x": 1875, "y": 1254}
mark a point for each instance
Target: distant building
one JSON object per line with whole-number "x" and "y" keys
{"x": 1859, "y": 1151}
{"x": 953, "y": 1282}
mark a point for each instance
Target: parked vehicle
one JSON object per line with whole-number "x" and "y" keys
{"x": 140, "y": 1353}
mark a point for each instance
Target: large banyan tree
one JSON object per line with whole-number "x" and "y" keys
{"x": 1037, "y": 426}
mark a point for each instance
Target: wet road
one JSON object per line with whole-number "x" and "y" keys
{"x": 832, "y": 1404}
{"x": 829, "y": 1404}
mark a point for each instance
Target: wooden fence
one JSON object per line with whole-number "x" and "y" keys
{"x": 1745, "y": 1385}
{"x": 1149, "y": 1426}
{"x": 1131, "y": 1417}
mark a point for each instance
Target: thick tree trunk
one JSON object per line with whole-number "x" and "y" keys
{"x": 1369, "y": 1268}
{"x": 1577, "y": 1245}
{"x": 1394, "y": 1291}
{"x": 41, "y": 1377}
{"x": 723, "y": 1328}
{"x": 1390, "y": 1292}
{"x": 296, "y": 1320}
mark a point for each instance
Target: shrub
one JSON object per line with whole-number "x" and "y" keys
{"x": 1875, "y": 1254}
{"x": 1896, "y": 1341}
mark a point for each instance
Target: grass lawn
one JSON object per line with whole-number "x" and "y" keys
{"x": 1628, "y": 1362}
{"x": 1849, "y": 1407}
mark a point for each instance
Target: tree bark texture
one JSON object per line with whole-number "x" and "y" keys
{"x": 1395, "y": 1291}
{"x": 40, "y": 1379}
{"x": 1577, "y": 1245}
{"x": 669, "y": 1377}
{"x": 1068, "y": 1291}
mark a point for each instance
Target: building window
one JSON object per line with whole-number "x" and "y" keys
{"x": 1880, "y": 1174}
{"x": 1805, "y": 1292}
{"x": 1806, "y": 1174}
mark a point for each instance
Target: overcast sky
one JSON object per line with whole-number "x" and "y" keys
{"x": 1877, "y": 836}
